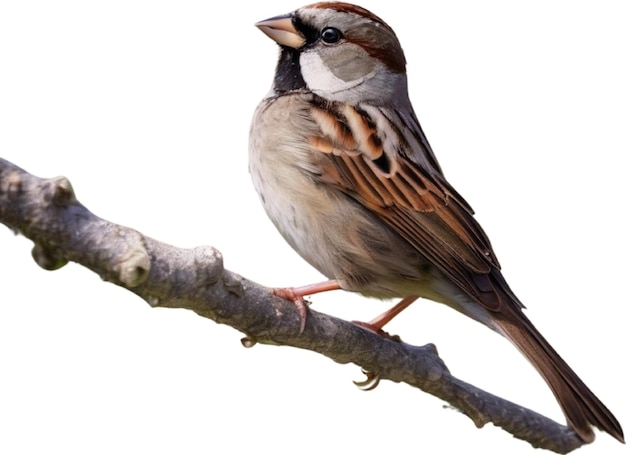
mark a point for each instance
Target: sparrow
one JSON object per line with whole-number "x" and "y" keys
{"x": 347, "y": 176}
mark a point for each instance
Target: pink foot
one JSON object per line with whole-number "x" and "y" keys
{"x": 297, "y": 300}
{"x": 296, "y": 296}
{"x": 376, "y": 325}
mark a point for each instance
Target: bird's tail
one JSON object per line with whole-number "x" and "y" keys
{"x": 581, "y": 407}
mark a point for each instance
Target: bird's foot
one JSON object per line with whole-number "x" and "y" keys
{"x": 371, "y": 381}
{"x": 376, "y": 325}
{"x": 296, "y": 295}
{"x": 298, "y": 301}
{"x": 377, "y": 330}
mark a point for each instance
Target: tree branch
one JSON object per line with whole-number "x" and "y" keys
{"x": 47, "y": 212}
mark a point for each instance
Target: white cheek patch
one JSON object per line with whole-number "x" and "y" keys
{"x": 320, "y": 79}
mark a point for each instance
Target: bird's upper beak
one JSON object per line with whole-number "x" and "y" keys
{"x": 281, "y": 30}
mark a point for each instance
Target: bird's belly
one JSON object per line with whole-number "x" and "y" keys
{"x": 338, "y": 237}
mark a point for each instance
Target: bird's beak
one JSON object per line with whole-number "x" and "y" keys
{"x": 281, "y": 30}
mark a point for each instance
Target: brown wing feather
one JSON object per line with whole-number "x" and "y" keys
{"x": 417, "y": 203}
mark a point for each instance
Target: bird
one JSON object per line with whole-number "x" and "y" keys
{"x": 347, "y": 176}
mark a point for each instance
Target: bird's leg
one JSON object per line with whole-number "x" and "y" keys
{"x": 296, "y": 295}
{"x": 376, "y": 325}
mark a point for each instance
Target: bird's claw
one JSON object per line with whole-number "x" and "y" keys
{"x": 301, "y": 307}
{"x": 371, "y": 381}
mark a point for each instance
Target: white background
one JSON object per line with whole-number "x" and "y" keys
{"x": 145, "y": 107}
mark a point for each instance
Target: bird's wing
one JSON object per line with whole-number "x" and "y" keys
{"x": 396, "y": 176}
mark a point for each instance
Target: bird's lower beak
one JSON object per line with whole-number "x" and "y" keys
{"x": 281, "y": 30}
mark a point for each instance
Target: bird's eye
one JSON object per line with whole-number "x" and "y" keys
{"x": 330, "y": 35}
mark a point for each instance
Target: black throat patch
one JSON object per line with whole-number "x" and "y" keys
{"x": 288, "y": 77}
